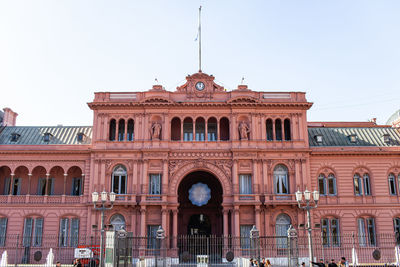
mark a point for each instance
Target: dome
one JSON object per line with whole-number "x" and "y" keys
{"x": 395, "y": 117}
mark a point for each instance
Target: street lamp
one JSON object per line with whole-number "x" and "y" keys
{"x": 308, "y": 205}
{"x": 102, "y": 207}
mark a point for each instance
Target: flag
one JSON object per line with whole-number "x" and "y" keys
{"x": 199, "y": 28}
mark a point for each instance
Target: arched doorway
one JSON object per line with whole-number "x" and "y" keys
{"x": 200, "y": 209}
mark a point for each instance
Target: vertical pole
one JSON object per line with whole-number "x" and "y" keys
{"x": 310, "y": 246}
{"x": 16, "y": 251}
{"x": 101, "y": 235}
{"x": 200, "y": 39}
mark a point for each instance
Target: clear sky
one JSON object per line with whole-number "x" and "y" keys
{"x": 55, "y": 54}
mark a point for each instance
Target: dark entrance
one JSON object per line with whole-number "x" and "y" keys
{"x": 207, "y": 218}
{"x": 199, "y": 224}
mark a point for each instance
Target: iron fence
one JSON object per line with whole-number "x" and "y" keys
{"x": 215, "y": 250}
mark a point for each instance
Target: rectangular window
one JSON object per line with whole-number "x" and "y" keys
{"x": 367, "y": 185}
{"x": 76, "y": 186}
{"x": 16, "y": 187}
{"x": 357, "y": 185}
{"x": 392, "y": 185}
{"x": 362, "y": 240}
{"x": 151, "y": 236}
{"x": 74, "y": 232}
{"x": 27, "y": 237}
{"x": 371, "y": 231}
{"x": 396, "y": 224}
{"x": 335, "y": 232}
{"x": 331, "y": 185}
{"x": 325, "y": 231}
{"x": 3, "y": 231}
{"x": 321, "y": 185}
{"x": 245, "y": 235}
{"x": 38, "y": 233}
{"x": 7, "y": 182}
{"x": 33, "y": 232}
{"x": 155, "y": 184}
{"x": 42, "y": 186}
{"x": 245, "y": 187}
{"x": 63, "y": 234}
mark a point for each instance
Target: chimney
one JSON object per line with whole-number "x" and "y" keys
{"x": 10, "y": 117}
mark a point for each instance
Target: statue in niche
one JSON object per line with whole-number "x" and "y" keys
{"x": 244, "y": 131}
{"x": 156, "y": 131}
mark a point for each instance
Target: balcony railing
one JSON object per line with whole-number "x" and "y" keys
{"x": 36, "y": 199}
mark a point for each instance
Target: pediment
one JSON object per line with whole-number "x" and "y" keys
{"x": 156, "y": 100}
{"x": 243, "y": 100}
{"x": 209, "y": 86}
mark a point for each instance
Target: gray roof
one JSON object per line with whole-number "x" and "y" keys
{"x": 366, "y": 136}
{"x": 33, "y": 135}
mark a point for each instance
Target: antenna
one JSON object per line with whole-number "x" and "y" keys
{"x": 200, "y": 39}
{"x": 242, "y": 79}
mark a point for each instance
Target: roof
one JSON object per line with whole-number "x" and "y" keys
{"x": 33, "y": 135}
{"x": 366, "y": 136}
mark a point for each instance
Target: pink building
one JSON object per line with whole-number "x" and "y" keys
{"x": 199, "y": 161}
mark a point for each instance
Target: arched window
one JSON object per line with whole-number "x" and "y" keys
{"x": 281, "y": 227}
{"x": 322, "y": 184}
{"x": 176, "y": 129}
{"x": 212, "y": 129}
{"x": 112, "y": 130}
{"x": 270, "y": 131}
{"x": 367, "y": 184}
{"x": 392, "y": 184}
{"x": 278, "y": 130}
{"x": 118, "y": 222}
{"x": 200, "y": 129}
{"x": 288, "y": 135}
{"x": 3, "y": 231}
{"x": 121, "y": 130}
{"x": 224, "y": 129}
{"x": 366, "y": 231}
{"x": 281, "y": 179}
{"x": 330, "y": 231}
{"x": 188, "y": 129}
{"x": 130, "y": 133}
{"x": 118, "y": 181}
{"x": 331, "y": 184}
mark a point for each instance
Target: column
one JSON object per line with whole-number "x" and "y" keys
{"x": 258, "y": 217}
{"x": 174, "y": 227}
{"x": 263, "y": 128}
{"x": 194, "y": 129}
{"x": 237, "y": 222}
{"x": 165, "y": 178}
{"x": 218, "y": 129}
{"x": 143, "y": 181}
{"x": 234, "y": 129}
{"x": 265, "y": 179}
{"x": 206, "y": 129}
{"x": 106, "y": 129}
{"x": 29, "y": 183}
{"x": 255, "y": 178}
{"x": 133, "y": 222}
{"x": 273, "y": 130}
{"x": 47, "y": 184}
{"x": 82, "y": 184}
{"x": 164, "y": 213}
{"x": 126, "y": 130}
{"x": 283, "y": 129}
{"x": 235, "y": 177}
{"x": 182, "y": 128}
{"x": 226, "y": 212}
{"x": 11, "y": 184}
{"x": 65, "y": 183}
{"x": 135, "y": 180}
{"x": 143, "y": 221}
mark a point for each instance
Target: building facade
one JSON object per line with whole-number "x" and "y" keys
{"x": 199, "y": 161}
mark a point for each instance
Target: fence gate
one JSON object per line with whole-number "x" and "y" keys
{"x": 123, "y": 249}
{"x": 293, "y": 252}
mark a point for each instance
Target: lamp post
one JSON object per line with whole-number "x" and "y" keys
{"x": 102, "y": 207}
{"x": 308, "y": 205}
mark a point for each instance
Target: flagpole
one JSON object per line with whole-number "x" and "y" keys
{"x": 200, "y": 39}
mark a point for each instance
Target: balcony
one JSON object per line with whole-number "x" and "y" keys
{"x": 35, "y": 199}
{"x": 280, "y": 199}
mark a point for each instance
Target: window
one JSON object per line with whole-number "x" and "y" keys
{"x": 278, "y": 130}
{"x": 245, "y": 235}
{"x": 118, "y": 181}
{"x": 281, "y": 227}
{"x": 121, "y": 130}
{"x": 112, "y": 130}
{"x": 151, "y": 236}
{"x": 188, "y": 129}
{"x": 396, "y": 225}
{"x": 366, "y": 231}
{"x": 118, "y": 222}
{"x": 3, "y": 231}
{"x": 224, "y": 133}
{"x": 318, "y": 138}
{"x": 15, "y": 188}
{"x": 80, "y": 137}
{"x": 69, "y": 232}
{"x": 14, "y": 137}
{"x": 287, "y": 130}
{"x": 322, "y": 184}
{"x": 245, "y": 187}
{"x": 176, "y": 129}
{"x": 331, "y": 184}
{"x": 392, "y": 184}
{"x": 353, "y": 138}
{"x": 200, "y": 129}
{"x": 33, "y": 232}
{"x": 367, "y": 184}
{"x": 42, "y": 186}
{"x": 76, "y": 186}
{"x": 281, "y": 180}
{"x": 155, "y": 184}
{"x": 47, "y": 137}
{"x": 212, "y": 129}
{"x": 130, "y": 132}
{"x": 330, "y": 232}
{"x": 270, "y": 131}
{"x": 357, "y": 184}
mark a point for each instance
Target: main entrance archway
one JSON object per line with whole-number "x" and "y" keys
{"x": 200, "y": 212}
